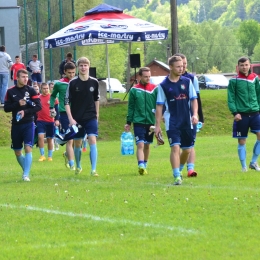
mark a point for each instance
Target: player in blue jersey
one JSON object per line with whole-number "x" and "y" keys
{"x": 194, "y": 80}
{"x": 22, "y": 100}
{"x": 179, "y": 97}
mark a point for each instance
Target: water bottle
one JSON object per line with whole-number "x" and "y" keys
{"x": 199, "y": 126}
{"x": 127, "y": 143}
{"x": 57, "y": 132}
{"x": 18, "y": 117}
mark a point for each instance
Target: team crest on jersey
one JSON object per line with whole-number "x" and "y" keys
{"x": 48, "y": 102}
{"x": 91, "y": 89}
{"x": 182, "y": 86}
{"x": 26, "y": 94}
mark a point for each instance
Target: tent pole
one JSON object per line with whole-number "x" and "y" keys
{"x": 108, "y": 72}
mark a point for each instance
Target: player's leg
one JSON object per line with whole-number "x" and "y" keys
{"x": 50, "y": 136}
{"x": 68, "y": 155}
{"x": 41, "y": 132}
{"x": 39, "y": 79}
{"x": 192, "y": 156}
{"x": 187, "y": 143}
{"x": 255, "y": 128}
{"x": 175, "y": 140}
{"x": 17, "y": 144}
{"x": 148, "y": 141}
{"x": 91, "y": 129}
{"x": 240, "y": 131}
{"x": 28, "y": 136}
{"x": 139, "y": 133}
{"x": 77, "y": 149}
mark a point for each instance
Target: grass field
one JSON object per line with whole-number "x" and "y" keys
{"x": 121, "y": 215}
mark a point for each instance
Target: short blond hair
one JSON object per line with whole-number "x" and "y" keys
{"x": 83, "y": 60}
{"x": 173, "y": 59}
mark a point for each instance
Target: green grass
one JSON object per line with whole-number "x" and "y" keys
{"x": 122, "y": 215}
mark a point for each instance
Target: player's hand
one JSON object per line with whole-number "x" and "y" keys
{"x": 237, "y": 117}
{"x": 73, "y": 122}
{"x": 127, "y": 128}
{"x": 21, "y": 113}
{"x": 22, "y": 102}
{"x": 194, "y": 120}
{"x": 57, "y": 123}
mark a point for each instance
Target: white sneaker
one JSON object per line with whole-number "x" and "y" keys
{"x": 254, "y": 166}
{"x": 26, "y": 178}
{"x": 244, "y": 169}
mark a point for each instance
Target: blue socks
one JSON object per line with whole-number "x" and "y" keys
{"x": 77, "y": 154}
{"x": 42, "y": 151}
{"x": 190, "y": 166}
{"x": 93, "y": 156}
{"x": 141, "y": 164}
{"x": 27, "y": 164}
{"x": 20, "y": 160}
{"x": 242, "y": 155}
{"x": 181, "y": 167}
{"x": 50, "y": 153}
{"x": 256, "y": 151}
{"x": 176, "y": 172}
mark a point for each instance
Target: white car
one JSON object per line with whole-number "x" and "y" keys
{"x": 156, "y": 80}
{"x": 212, "y": 81}
{"x": 116, "y": 86}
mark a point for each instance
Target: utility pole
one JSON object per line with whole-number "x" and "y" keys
{"x": 174, "y": 27}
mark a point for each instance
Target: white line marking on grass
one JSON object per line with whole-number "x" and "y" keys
{"x": 97, "y": 218}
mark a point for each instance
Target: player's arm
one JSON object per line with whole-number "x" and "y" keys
{"x": 97, "y": 108}
{"x": 97, "y": 98}
{"x": 29, "y": 66}
{"x": 9, "y": 105}
{"x": 53, "y": 96}
{"x": 231, "y": 97}
{"x": 130, "y": 111}
{"x": 257, "y": 87}
{"x": 67, "y": 106}
{"x": 11, "y": 73}
{"x": 34, "y": 98}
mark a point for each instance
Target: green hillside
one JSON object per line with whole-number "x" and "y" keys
{"x": 218, "y": 120}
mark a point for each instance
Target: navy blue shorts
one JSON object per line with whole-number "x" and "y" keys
{"x": 182, "y": 137}
{"x": 64, "y": 121}
{"x": 46, "y": 128}
{"x": 89, "y": 127}
{"x": 143, "y": 134}
{"x": 240, "y": 128}
{"x": 37, "y": 77}
{"x": 22, "y": 134}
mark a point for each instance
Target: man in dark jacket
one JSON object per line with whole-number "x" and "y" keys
{"x": 23, "y": 102}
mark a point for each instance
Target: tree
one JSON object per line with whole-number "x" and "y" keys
{"x": 249, "y": 34}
